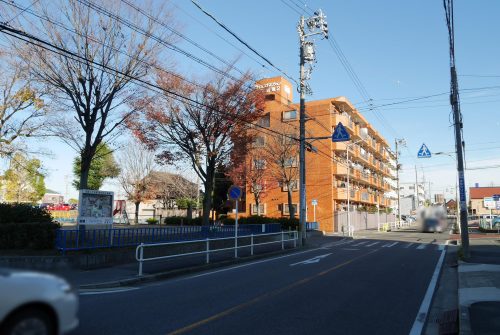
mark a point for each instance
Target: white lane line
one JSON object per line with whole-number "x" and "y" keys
{"x": 419, "y": 323}
{"x": 248, "y": 264}
{"x": 389, "y": 245}
{"x": 409, "y": 245}
{"x": 422, "y": 246}
{"x": 107, "y": 291}
{"x": 441, "y": 247}
{"x": 371, "y": 244}
{"x": 360, "y": 243}
{"x": 350, "y": 249}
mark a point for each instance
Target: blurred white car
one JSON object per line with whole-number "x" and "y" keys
{"x": 36, "y": 303}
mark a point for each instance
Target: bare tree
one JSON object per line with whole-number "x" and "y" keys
{"x": 22, "y": 110}
{"x": 201, "y": 134}
{"x": 281, "y": 156}
{"x": 136, "y": 164}
{"x": 93, "y": 101}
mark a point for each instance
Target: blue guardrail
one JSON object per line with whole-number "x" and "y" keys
{"x": 75, "y": 239}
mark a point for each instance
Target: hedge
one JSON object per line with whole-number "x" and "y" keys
{"x": 23, "y": 213}
{"x": 24, "y": 226}
{"x": 286, "y": 223}
{"x": 31, "y": 235}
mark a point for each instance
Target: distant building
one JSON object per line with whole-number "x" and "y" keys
{"x": 451, "y": 206}
{"x": 439, "y": 198}
{"x": 52, "y": 197}
{"x": 408, "y": 196}
{"x": 477, "y": 197}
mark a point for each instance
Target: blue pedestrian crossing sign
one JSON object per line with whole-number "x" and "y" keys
{"x": 234, "y": 192}
{"x": 340, "y": 134}
{"x": 424, "y": 152}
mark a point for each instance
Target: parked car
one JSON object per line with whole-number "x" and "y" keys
{"x": 36, "y": 303}
{"x": 61, "y": 207}
{"x": 45, "y": 205}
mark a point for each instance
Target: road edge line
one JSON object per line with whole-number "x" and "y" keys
{"x": 423, "y": 312}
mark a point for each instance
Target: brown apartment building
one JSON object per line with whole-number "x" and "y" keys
{"x": 372, "y": 162}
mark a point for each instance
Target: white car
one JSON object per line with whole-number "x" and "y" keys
{"x": 36, "y": 303}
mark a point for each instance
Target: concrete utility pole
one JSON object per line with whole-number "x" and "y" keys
{"x": 307, "y": 27}
{"x": 398, "y": 141}
{"x": 417, "y": 202}
{"x": 458, "y": 125}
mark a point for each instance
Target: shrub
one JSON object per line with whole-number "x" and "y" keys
{"x": 178, "y": 220}
{"x": 152, "y": 221}
{"x": 286, "y": 223}
{"x": 24, "y": 226}
{"x": 23, "y": 213}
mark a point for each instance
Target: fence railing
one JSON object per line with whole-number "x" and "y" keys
{"x": 77, "y": 239}
{"x": 285, "y": 236}
{"x": 384, "y": 227}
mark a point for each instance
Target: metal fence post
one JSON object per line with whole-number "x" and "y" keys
{"x": 295, "y": 237}
{"x": 141, "y": 257}
{"x": 208, "y": 251}
{"x": 251, "y": 244}
{"x": 282, "y": 240}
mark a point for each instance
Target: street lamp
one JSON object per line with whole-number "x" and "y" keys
{"x": 457, "y": 208}
{"x": 348, "y": 145}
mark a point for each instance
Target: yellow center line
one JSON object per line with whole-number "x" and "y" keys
{"x": 262, "y": 297}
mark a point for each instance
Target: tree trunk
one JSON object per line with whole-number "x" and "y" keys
{"x": 257, "y": 203}
{"x": 291, "y": 209}
{"x": 136, "y": 217}
{"x": 207, "y": 201}
{"x": 86, "y": 159}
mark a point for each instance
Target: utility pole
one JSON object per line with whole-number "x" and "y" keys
{"x": 417, "y": 202}
{"x": 458, "y": 125}
{"x": 307, "y": 27}
{"x": 398, "y": 141}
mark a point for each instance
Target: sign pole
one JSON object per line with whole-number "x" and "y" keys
{"x": 236, "y": 231}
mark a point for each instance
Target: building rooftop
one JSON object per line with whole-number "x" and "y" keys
{"x": 483, "y": 192}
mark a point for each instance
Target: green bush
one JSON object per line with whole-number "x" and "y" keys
{"x": 23, "y": 213}
{"x": 24, "y": 226}
{"x": 32, "y": 235}
{"x": 178, "y": 220}
{"x": 286, "y": 223}
{"x": 152, "y": 221}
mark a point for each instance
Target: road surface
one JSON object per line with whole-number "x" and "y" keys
{"x": 374, "y": 284}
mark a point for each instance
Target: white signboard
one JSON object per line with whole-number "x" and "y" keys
{"x": 95, "y": 207}
{"x": 490, "y": 203}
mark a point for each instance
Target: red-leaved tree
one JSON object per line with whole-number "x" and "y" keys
{"x": 203, "y": 133}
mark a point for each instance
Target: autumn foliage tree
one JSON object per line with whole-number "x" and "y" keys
{"x": 202, "y": 133}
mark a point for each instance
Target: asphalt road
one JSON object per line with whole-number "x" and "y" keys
{"x": 374, "y": 284}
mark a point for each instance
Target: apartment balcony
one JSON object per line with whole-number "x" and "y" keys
{"x": 341, "y": 194}
{"x": 340, "y": 169}
{"x": 339, "y": 146}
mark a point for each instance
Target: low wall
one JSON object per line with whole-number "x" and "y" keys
{"x": 361, "y": 220}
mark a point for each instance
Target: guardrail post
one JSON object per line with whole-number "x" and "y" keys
{"x": 141, "y": 257}
{"x": 208, "y": 251}
{"x": 251, "y": 244}
{"x": 282, "y": 240}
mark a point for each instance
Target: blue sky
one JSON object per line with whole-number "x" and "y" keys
{"x": 398, "y": 49}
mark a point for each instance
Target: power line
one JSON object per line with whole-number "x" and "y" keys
{"x": 223, "y": 26}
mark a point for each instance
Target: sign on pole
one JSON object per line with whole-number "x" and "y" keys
{"x": 424, "y": 152}
{"x": 340, "y": 134}
{"x": 234, "y": 192}
{"x": 314, "y": 202}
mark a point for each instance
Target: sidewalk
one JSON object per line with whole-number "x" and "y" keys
{"x": 127, "y": 274}
{"x": 479, "y": 288}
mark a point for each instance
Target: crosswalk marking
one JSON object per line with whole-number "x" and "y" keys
{"x": 371, "y": 244}
{"x": 389, "y": 245}
{"x": 422, "y": 246}
{"x": 360, "y": 243}
{"x": 409, "y": 245}
{"x": 441, "y": 247}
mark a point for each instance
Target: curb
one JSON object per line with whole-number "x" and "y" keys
{"x": 184, "y": 271}
{"x": 463, "y": 311}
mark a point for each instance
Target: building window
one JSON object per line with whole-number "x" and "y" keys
{"x": 290, "y": 162}
{"x": 269, "y": 97}
{"x": 411, "y": 187}
{"x": 294, "y": 184}
{"x": 286, "y": 210}
{"x": 259, "y": 141}
{"x": 288, "y": 139}
{"x": 254, "y": 210}
{"x": 290, "y": 115}
{"x": 259, "y": 164}
{"x": 265, "y": 121}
